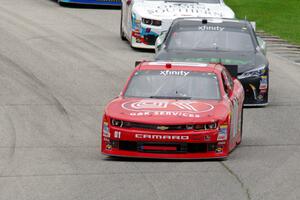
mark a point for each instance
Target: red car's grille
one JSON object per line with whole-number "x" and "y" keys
{"x": 159, "y": 147}
{"x": 154, "y": 126}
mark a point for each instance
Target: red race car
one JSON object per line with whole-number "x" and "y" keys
{"x": 174, "y": 110}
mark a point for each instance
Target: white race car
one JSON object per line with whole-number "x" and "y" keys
{"x": 142, "y": 21}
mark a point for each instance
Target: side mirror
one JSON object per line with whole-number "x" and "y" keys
{"x": 262, "y": 45}
{"x": 159, "y": 40}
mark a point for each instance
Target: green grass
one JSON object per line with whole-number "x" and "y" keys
{"x": 277, "y": 17}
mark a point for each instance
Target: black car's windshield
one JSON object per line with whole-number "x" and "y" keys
{"x": 173, "y": 84}
{"x": 209, "y": 38}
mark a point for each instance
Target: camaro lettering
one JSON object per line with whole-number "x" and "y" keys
{"x": 162, "y": 137}
{"x": 174, "y": 73}
{"x": 211, "y": 28}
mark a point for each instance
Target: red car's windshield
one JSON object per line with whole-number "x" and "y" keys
{"x": 173, "y": 84}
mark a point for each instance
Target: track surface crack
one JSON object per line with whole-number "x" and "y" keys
{"x": 244, "y": 188}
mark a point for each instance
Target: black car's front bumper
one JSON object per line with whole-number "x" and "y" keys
{"x": 256, "y": 90}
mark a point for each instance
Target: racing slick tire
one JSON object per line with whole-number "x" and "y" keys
{"x": 122, "y": 35}
{"x": 241, "y": 125}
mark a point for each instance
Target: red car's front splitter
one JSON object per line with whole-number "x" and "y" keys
{"x": 135, "y": 154}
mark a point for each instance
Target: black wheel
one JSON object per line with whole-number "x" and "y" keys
{"x": 241, "y": 126}
{"x": 122, "y": 35}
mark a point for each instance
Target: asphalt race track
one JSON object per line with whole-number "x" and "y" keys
{"x": 60, "y": 66}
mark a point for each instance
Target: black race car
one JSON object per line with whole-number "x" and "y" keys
{"x": 227, "y": 41}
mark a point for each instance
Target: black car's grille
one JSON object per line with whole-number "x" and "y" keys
{"x": 165, "y": 147}
{"x": 150, "y": 39}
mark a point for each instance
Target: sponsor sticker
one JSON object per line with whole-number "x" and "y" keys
{"x": 222, "y": 133}
{"x": 210, "y": 28}
{"x": 174, "y": 73}
{"x": 219, "y": 149}
{"x": 263, "y": 83}
{"x": 117, "y": 134}
{"x": 221, "y": 143}
{"x": 108, "y": 147}
{"x": 179, "y": 108}
{"x": 106, "y": 132}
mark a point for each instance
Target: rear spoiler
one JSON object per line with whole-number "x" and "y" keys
{"x": 232, "y": 69}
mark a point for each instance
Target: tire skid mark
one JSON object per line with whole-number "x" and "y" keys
{"x": 16, "y": 20}
{"x": 13, "y": 135}
{"x": 84, "y": 21}
{"x": 243, "y": 187}
{"x": 12, "y": 148}
{"x": 120, "y": 60}
{"x": 40, "y": 89}
{"x": 74, "y": 52}
{"x": 38, "y": 86}
{"x": 47, "y": 34}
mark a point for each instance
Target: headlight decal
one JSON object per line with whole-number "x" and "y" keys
{"x": 151, "y": 22}
{"x": 117, "y": 123}
{"x": 260, "y": 71}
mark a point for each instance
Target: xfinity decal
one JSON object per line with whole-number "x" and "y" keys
{"x": 162, "y": 137}
{"x": 174, "y": 73}
{"x": 210, "y": 28}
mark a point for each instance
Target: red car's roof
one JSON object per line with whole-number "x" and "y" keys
{"x": 203, "y": 67}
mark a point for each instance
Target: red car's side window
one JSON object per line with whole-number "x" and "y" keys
{"x": 225, "y": 85}
{"x": 229, "y": 79}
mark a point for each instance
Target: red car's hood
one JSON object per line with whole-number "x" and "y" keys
{"x": 165, "y": 111}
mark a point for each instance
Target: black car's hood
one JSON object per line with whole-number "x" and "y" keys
{"x": 245, "y": 60}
